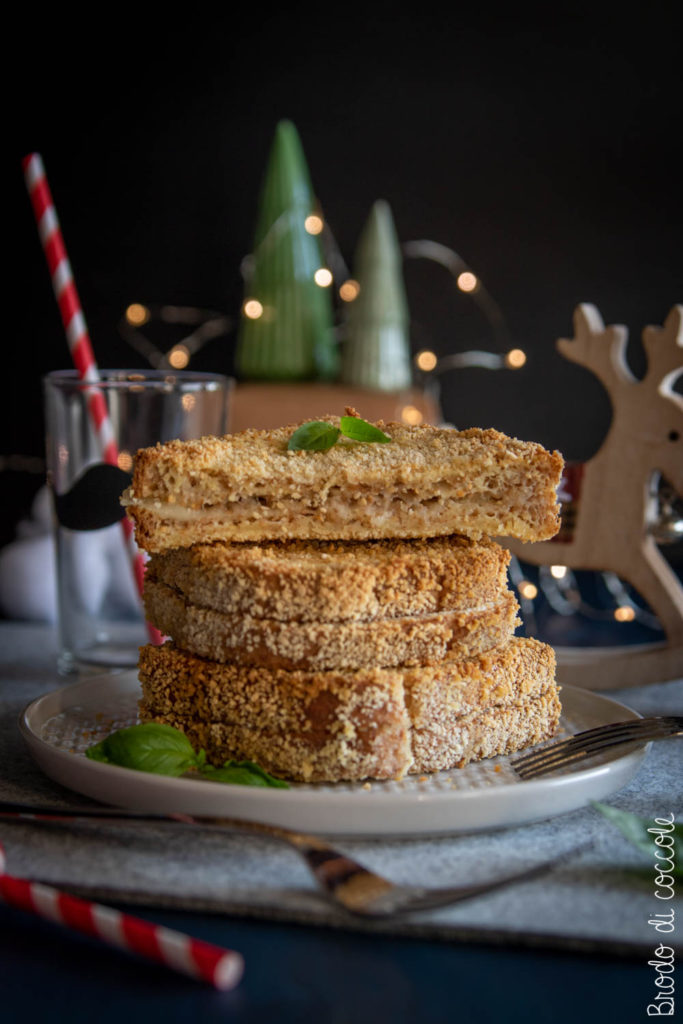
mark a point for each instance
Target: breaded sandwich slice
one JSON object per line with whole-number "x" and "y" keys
{"x": 335, "y": 581}
{"x": 243, "y": 639}
{"x": 353, "y": 725}
{"x": 424, "y": 482}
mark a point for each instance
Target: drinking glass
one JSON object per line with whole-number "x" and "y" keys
{"x": 93, "y": 431}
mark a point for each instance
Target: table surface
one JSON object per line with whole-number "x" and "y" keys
{"x": 578, "y": 944}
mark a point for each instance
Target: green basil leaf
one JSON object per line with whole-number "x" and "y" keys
{"x": 360, "y": 430}
{"x": 636, "y": 830}
{"x": 96, "y": 753}
{"x": 315, "y": 436}
{"x": 165, "y": 750}
{"x": 242, "y": 773}
{"x": 149, "y": 747}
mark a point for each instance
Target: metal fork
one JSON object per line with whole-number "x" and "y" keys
{"x": 344, "y": 881}
{"x": 593, "y": 741}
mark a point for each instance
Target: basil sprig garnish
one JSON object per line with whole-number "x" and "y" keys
{"x": 150, "y": 747}
{"x": 165, "y": 750}
{"x": 314, "y": 437}
{"x": 242, "y": 773}
{"x": 318, "y": 436}
{"x": 360, "y": 430}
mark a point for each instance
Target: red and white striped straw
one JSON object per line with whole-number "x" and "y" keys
{"x": 222, "y": 968}
{"x": 77, "y": 334}
{"x": 64, "y": 287}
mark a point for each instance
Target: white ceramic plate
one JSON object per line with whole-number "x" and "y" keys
{"x": 486, "y": 795}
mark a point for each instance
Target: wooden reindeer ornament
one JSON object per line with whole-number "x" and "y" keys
{"x": 611, "y": 529}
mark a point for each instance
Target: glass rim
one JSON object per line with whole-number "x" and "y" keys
{"x": 147, "y": 380}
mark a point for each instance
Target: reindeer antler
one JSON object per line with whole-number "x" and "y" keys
{"x": 600, "y": 349}
{"x": 664, "y": 348}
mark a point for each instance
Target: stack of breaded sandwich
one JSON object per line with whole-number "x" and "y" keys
{"x": 344, "y": 614}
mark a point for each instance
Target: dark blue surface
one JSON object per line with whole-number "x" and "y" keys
{"x": 301, "y": 974}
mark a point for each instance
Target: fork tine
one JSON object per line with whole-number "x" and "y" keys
{"x": 559, "y": 758}
{"x": 571, "y": 750}
{"x": 659, "y": 726}
{"x": 564, "y": 757}
{"x": 613, "y": 730}
{"x": 586, "y": 744}
{"x": 663, "y": 724}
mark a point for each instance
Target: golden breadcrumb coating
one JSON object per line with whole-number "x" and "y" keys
{"x": 353, "y": 725}
{"x": 412, "y": 640}
{"x": 332, "y": 581}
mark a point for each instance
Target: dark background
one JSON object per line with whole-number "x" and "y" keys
{"x": 542, "y": 146}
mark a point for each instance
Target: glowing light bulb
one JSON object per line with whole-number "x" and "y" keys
{"x": 349, "y": 290}
{"x": 179, "y": 356}
{"x": 426, "y": 360}
{"x": 624, "y": 613}
{"x": 323, "y": 277}
{"x": 314, "y": 224}
{"x": 124, "y": 460}
{"x": 558, "y": 572}
{"x": 411, "y": 414}
{"x": 137, "y": 315}
{"x": 467, "y": 282}
{"x": 515, "y": 358}
{"x": 252, "y": 309}
{"x": 527, "y": 589}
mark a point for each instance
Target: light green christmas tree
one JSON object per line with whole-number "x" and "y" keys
{"x": 376, "y": 337}
{"x": 286, "y": 325}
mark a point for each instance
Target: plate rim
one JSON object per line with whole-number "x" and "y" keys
{"x": 351, "y": 791}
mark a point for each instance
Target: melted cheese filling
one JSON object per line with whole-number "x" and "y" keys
{"x": 338, "y": 507}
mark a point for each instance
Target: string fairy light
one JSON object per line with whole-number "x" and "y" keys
{"x": 349, "y": 290}
{"x": 205, "y": 326}
{"x": 527, "y": 589}
{"x": 179, "y": 356}
{"x": 124, "y": 460}
{"x": 323, "y": 277}
{"x": 467, "y": 281}
{"x": 426, "y": 360}
{"x": 137, "y": 314}
{"x": 314, "y": 224}
{"x": 253, "y": 309}
{"x": 411, "y": 415}
{"x": 515, "y": 358}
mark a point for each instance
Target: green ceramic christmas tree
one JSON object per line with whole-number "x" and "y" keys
{"x": 376, "y": 350}
{"x": 289, "y": 334}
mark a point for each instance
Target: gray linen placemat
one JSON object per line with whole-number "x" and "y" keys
{"x": 600, "y": 900}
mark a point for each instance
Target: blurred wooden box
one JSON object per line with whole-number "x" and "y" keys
{"x": 266, "y": 405}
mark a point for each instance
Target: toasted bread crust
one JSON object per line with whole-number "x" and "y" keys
{"x": 353, "y": 725}
{"x": 426, "y": 482}
{"x": 336, "y": 581}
